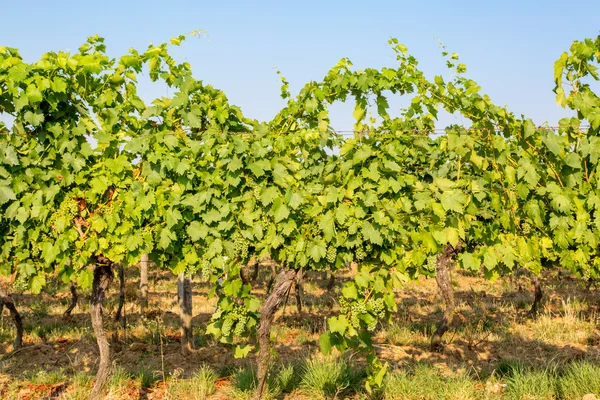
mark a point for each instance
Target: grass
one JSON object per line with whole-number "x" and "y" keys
{"x": 488, "y": 327}
{"x": 399, "y": 335}
{"x": 580, "y": 379}
{"x": 146, "y": 377}
{"x": 243, "y": 384}
{"x": 287, "y": 379}
{"x": 199, "y": 387}
{"x": 325, "y": 377}
{"x": 45, "y": 378}
{"x": 119, "y": 379}
{"x": 531, "y": 385}
{"x": 425, "y": 382}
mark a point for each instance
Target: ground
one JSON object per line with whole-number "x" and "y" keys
{"x": 494, "y": 350}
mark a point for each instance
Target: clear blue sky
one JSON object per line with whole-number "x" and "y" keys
{"x": 509, "y": 46}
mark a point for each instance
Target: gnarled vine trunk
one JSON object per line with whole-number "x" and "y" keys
{"x": 144, "y": 283}
{"x": 442, "y": 277}
{"x": 103, "y": 276}
{"x": 281, "y": 289}
{"x": 74, "y": 298}
{"x": 271, "y": 264}
{"x": 249, "y": 272}
{"x": 538, "y": 296}
{"x": 330, "y": 282}
{"x": 7, "y": 302}
{"x": 184, "y": 296}
{"x": 299, "y": 291}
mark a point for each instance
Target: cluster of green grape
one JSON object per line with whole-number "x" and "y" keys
{"x": 107, "y": 209}
{"x": 313, "y": 230}
{"x": 361, "y": 254}
{"x": 431, "y": 262}
{"x": 255, "y": 187}
{"x": 526, "y": 227}
{"x": 35, "y": 248}
{"x": 353, "y": 310}
{"x": 206, "y": 269}
{"x": 148, "y": 230}
{"x": 16, "y": 240}
{"x": 20, "y": 284}
{"x": 240, "y": 246}
{"x": 374, "y": 306}
{"x": 264, "y": 222}
{"x": 377, "y": 307}
{"x": 331, "y": 254}
{"x": 237, "y": 317}
{"x": 68, "y": 209}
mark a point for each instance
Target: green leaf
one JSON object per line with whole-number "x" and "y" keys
{"x": 166, "y": 237}
{"x": 258, "y": 168}
{"x": 359, "y": 112}
{"x": 327, "y": 224}
{"x": 362, "y": 154}
{"x": 469, "y": 262}
{"x": 573, "y": 160}
{"x": 350, "y": 291}
{"x": 338, "y": 324}
{"x": 552, "y": 142}
{"x": 37, "y": 283}
{"x": 34, "y": 119}
{"x": 195, "y": 231}
{"x": 528, "y": 128}
{"x": 269, "y": 194}
{"x": 6, "y": 194}
{"x": 453, "y": 200}
{"x": 193, "y": 120}
{"x": 317, "y": 250}
{"x": 280, "y": 210}
{"x": 325, "y": 343}
{"x": 242, "y": 351}
{"x": 371, "y": 234}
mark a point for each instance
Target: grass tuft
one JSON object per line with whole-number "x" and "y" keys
{"x": 325, "y": 378}
{"x": 579, "y": 379}
{"x": 525, "y": 383}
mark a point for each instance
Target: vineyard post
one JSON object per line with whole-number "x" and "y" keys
{"x": 119, "y": 315}
{"x": 144, "y": 284}
{"x": 184, "y": 295}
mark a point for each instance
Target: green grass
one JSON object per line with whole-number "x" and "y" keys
{"x": 244, "y": 384}
{"x": 199, "y": 387}
{"x": 119, "y": 379}
{"x": 399, "y": 335}
{"x": 579, "y": 379}
{"x": 425, "y": 382}
{"x": 526, "y": 383}
{"x": 287, "y": 379}
{"x": 45, "y": 378}
{"x": 326, "y": 378}
{"x": 146, "y": 377}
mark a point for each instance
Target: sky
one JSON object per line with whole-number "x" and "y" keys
{"x": 509, "y": 46}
